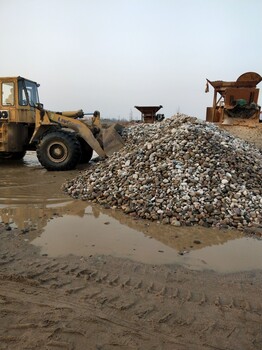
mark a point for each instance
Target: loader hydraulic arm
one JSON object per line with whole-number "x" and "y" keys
{"x": 81, "y": 128}
{"x": 44, "y": 117}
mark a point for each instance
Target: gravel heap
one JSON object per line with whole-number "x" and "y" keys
{"x": 182, "y": 171}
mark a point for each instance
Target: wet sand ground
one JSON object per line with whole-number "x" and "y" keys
{"x": 77, "y": 276}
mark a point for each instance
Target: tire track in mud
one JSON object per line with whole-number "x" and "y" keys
{"x": 92, "y": 314}
{"x": 171, "y": 309}
{"x": 45, "y": 300}
{"x": 146, "y": 306}
{"x": 49, "y": 274}
{"x": 149, "y": 280}
{"x": 133, "y": 305}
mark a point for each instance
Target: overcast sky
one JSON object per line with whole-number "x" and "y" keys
{"x": 111, "y": 55}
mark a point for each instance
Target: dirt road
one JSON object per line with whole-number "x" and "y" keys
{"x": 107, "y": 302}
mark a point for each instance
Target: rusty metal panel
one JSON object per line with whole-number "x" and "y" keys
{"x": 214, "y": 115}
{"x": 209, "y": 114}
{"x": 233, "y": 94}
{"x": 251, "y": 77}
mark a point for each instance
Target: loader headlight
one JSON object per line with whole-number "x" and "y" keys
{"x": 3, "y": 114}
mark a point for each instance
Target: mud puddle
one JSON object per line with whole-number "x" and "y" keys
{"x": 31, "y": 200}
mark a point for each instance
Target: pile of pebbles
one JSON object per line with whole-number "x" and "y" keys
{"x": 182, "y": 171}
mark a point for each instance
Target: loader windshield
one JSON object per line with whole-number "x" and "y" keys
{"x": 28, "y": 93}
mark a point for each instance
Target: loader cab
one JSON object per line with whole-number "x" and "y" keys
{"x": 19, "y": 92}
{"x": 19, "y": 99}
{"x": 27, "y": 93}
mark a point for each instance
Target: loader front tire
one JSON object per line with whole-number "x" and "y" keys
{"x": 58, "y": 151}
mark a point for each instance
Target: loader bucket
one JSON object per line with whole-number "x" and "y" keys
{"x": 111, "y": 139}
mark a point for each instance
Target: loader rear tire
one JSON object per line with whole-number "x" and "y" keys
{"x": 58, "y": 151}
{"x": 12, "y": 155}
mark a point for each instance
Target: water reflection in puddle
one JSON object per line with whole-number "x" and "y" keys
{"x": 241, "y": 254}
{"x": 105, "y": 235}
{"x": 30, "y": 198}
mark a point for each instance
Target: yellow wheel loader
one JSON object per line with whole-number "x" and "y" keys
{"x": 61, "y": 140}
